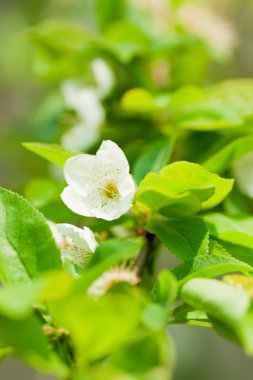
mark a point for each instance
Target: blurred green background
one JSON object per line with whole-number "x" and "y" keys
{"x": 201, "y": 353}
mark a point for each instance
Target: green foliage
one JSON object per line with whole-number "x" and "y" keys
{"x": 225, "y": 157}
{"x": 25, "y": 241}
{"x": 185, "y": 238}
{"x": 43, "y": 191}
{"x": 235, "y": 234}
{"x": 109, "y": 11}
{"x": 153, "y": 159}
{"x": 229, "y": 308}
{"x": 138, "y": 100}
{"x": 51, "y": 152}
{"x": 215, "y": 107}
{"x": 117, "y": 74}
{"x": 182, "y": 189}
{"x": 165, "y": 290}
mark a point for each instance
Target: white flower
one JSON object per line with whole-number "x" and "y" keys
{"x": 80, "y": 137}
{"x": 243, "y": 173}
{"x": 76, "y": 244}
{"x": 85, "y": 102}
{"x": 103, "y": 76}
{"x": 100, "y": 185}
{"x": 112, "y": 277}
{"x": 91, "y": 113}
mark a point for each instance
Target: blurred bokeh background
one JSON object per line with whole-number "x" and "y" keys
{"x": 201, "y": 354}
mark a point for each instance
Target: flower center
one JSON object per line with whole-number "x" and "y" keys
{"x": 110, "y": 190}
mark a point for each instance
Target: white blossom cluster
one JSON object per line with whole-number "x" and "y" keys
{"x": 99, "y": 186}
{"x": 86, "y": 102}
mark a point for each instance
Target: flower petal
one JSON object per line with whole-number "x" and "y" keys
{"x": 79, "y": 171}
{"x": 76, "y": 202}
{"x": 109, "y": 152}
{"x": 82, "y": 238}
{"x": 80, "y": 137}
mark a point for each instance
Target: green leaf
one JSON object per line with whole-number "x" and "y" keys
{"x": 209, "y": 266}
{"x": 109, "y": 11}
{"x": 26, "y": 338}
{"x": 27, "y": 248}
{"x": 98, "y": 327}
{"x": 182, "y": 189}
{"x": 146, "y": 352}
{"x": 165, "y": 290}
{"x": 138, "y": 100}
{"x": 154, "y": 317}
{"x": 221, "y": 301}
{"x": 155, "y": 196}
{"x": 234, "y": 233}
{"x": 219, "y": 224}
{"x": 185, "y": 238}
{"x": 214, "y": 108}
{"x": 153, "y": 159}
{"x": 228, "y": 308}
{"x": 60, "y": 36}
{"x": 43, "y": 191}
{"x": 17, "y": 301}
{"x": 51, "y": 152}
{"x": 187, "y": 176}
{"x": 188, "y": 315}
{"x": 225, "y": 157}
{"x": 108, "y": 254}
{"x": 125, "y": 40}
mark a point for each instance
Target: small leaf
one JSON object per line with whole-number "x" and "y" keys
{"x": 125, "y": 40}
{"x": 224, "y": 158}
{"x": 187, "y": 175}
{"x": 235, "y": 234}
{"x": 51, "y": 152}
{"x": 182, "y": 189}
{"x": 209, "y": 266}
{"x": 153, "y": 159}
{"x": 188, "y": 315}
{"x": 165, "y": 290}
{"x": 185, "y": 238}
{"x": 138, "y": 100}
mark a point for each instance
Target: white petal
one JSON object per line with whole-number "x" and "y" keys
{"x": 243, "y": 173}
{"x": 111, "y": 152}
{"x": 85, "y": 102}
{"x": 82, "y": 238}
{"x": 56, "y": 234}
{"x": 80, "y": 137}
{"x": 103, "y": 76}
{"x": 79, "y": 172}
{"x": 76, "y": 202}
{"x": 70, "y": 91}
{"x": 89, "y": 108}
